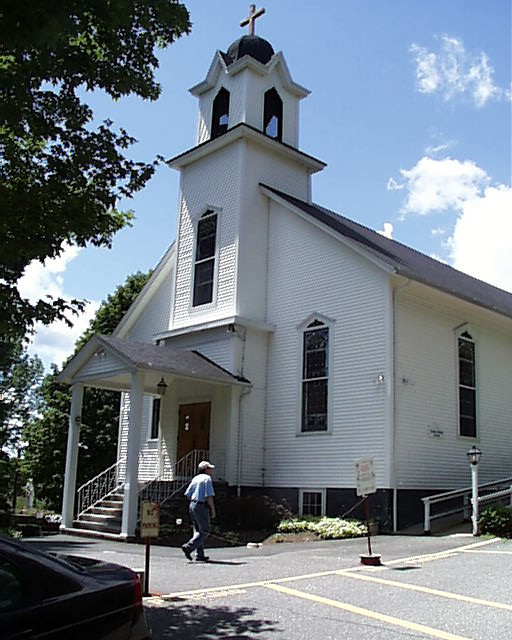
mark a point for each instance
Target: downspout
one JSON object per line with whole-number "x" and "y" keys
{"x": 394, "y": 415}
{"x": 240, "y": 421}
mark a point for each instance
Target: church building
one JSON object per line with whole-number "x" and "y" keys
{"x": 285, "y": 342}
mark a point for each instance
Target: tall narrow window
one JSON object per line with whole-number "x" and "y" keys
{"x": 273, "y": 115}
{"x": 155, "y": 418}
{"x": 220, "y": 113}
{"x": 205, "y": 259}
{"x": 467, "y": 385}
{"x": 315, "y": 376}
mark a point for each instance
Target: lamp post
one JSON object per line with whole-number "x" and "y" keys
{"x": 474, "y": 457}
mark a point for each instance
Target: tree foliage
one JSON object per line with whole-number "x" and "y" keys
{"x": 19, "y": 395}
{"x": 61, "y": 179}
{"x": 19, "y": 400}
{"x": 46, "y": 436}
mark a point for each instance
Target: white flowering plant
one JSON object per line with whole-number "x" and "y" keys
{"x": 325, "y": 528}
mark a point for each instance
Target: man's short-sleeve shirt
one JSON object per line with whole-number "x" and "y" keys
{"x": 200, "y": 488}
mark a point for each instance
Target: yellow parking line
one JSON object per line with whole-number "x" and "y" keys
{"x": 247, "y": 585}
{"x": 262, "y": 583}
{"x": 507, "y": 553}
{"x": 426, "y": 557}
{"x": 368, "y": 613}
{"x": 434, "y": 592}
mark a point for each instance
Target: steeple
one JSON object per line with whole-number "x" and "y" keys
{"x": 249, "y": 83}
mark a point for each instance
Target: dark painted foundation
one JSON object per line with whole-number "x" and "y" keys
{"x": 345, "y": 503}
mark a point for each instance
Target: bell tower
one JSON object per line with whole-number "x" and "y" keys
{"x": 248, "y": 135}
{"x": 251, "y": 84}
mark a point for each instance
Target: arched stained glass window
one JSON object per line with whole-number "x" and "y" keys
{"x": 315, "y": 376}
{"x": 467, "y": 385}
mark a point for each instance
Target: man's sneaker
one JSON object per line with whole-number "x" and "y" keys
{"x": 186, "y": 552}
{"x": 203, "y": 559}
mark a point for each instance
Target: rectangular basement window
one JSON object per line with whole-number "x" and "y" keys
{"x": 312, "y": 502}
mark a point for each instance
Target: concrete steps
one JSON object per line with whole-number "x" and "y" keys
{"x": 104, "y": 517}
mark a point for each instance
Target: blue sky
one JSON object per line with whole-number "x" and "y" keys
{"x": 410, "y": 108}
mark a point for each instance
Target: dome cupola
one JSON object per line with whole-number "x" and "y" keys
{"x": 249, "y": 45}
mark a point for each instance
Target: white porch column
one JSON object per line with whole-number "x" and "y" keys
{"x": 129, "y": 520}
{"x": 75, "y": 418}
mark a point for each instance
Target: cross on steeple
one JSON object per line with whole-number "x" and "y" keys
{"x": 253, "y": 14}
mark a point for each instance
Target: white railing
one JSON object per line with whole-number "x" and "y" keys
{"x": 99, "y": 487}
{"x": 497, "y": 495}
{"x": 160, "y": 489}
{"x": 464, "y": 495}
{"x": 107, "y": 482}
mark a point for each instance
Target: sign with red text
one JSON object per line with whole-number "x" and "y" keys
{"x": 365, "y": 477}
{"x": 150, "y": 520}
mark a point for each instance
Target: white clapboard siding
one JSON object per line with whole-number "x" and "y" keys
{"x": 156, "y": 315}
{"x": 203, "y": 186}
{"x": 148, "y": 465}
{"x": 253, "y": 409}
{"x": 215, "y": 344}
{"x": 288, "y": 175}
{"x": 427, "y": 395}
{"x": 100, "y": 363}
{"x": 312, "y": 272}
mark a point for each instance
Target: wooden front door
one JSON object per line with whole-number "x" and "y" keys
{"x": 194, "y": 427}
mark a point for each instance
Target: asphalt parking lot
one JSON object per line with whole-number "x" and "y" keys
{"x": 452, "y": 587}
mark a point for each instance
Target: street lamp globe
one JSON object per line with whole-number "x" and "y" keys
{"x": 474, "y": 455}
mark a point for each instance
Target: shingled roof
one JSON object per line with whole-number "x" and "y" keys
{"x": 406, "y": 261}
{"x": 151, "y": 357}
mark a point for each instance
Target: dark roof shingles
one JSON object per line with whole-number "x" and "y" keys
{"x": 165, "y": 358}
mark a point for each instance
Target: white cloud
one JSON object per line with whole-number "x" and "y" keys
{"x": 439, "y": 185}
{"x": 453, "y": 71}
{"x": 387, "y": 230}
{"x": 394, "y": 186}
{"x": 54, "y": 343}
{"x": 434, "y": 150}
{"x": 479, "y": 243}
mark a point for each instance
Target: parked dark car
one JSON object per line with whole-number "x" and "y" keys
{"x": 67, "y": 597}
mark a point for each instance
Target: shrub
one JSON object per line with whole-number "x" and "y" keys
{"x": 496, "y": 520}
{"x": 324, "y": 528}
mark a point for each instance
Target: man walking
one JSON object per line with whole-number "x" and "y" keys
{"x": 200, "y": 494}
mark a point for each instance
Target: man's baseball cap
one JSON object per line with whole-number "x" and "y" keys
{"x": 205, "y": 465}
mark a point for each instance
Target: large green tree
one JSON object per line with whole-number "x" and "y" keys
{"x": 19, "y": 395}
{"x": 20, "y": 383}
{"x": 61, "y": 178}
{"x": 46, "y": 436}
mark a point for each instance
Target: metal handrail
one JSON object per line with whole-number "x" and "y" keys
{"x": 161, "y": 489}
{"x": 464, "y": 494}
{"x": 490, "y": 497}
{"x": 104, "y": 484}
{"x": 97, "y": 488}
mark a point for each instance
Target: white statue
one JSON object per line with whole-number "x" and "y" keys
{"x": 29, "y": 492}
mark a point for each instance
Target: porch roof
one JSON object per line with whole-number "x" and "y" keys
{"x": 127, "y": 356}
